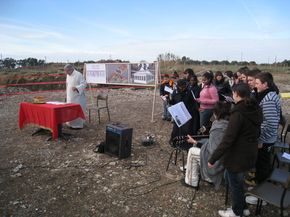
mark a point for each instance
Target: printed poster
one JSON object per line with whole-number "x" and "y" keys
{"x": 96, "y": 73}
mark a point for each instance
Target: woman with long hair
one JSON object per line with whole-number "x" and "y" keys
{"x": 207, "y": 98}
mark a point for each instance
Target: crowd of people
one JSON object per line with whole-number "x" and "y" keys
{"x": 240, "y": 112}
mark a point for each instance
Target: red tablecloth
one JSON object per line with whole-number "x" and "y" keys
{"x": 48, "y": 115}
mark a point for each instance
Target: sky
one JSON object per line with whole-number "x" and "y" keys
{"x": 135, "y": 30}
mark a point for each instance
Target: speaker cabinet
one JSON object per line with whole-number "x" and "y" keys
{"x": 118, "y": 140}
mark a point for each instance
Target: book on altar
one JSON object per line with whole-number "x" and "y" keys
{"x": 56, "y": 103}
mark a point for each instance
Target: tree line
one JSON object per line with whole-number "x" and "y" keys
{"x": 10, "y": 63}
{"x": 170, "y": 57}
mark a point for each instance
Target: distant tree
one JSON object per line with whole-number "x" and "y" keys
{"x": 234, "y": 62}
{"x": 243, "y": 63}
{"x": 204, "y": 62}
{"x": 196, "y": 62}
{"x": 183, "y": 59}
{"x": 225, "y": 62}
{"x": 1, "y": 64}
{"x": 9, "y": 63}
{"x": 41, "y": 62}
{"x": 215, "y": 62}
{"x": 167, "y": 57}
{"x": 252, "y": 63}
{"x": 32, "y": 61}
{"x": 189, "y": 62}
{"x": 286, "y": 62}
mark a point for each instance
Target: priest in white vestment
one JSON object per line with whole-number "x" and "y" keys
{"x": 75, "y": 92}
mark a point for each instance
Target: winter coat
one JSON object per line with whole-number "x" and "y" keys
{"x": 216, "y": 134}
{"x": 239, "y": 147}
{"x": 223, "y": 87}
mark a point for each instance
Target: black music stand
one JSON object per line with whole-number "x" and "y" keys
{"x": 181, "y": 116}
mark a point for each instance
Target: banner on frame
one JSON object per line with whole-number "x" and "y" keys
{"x": 142, "y": 73}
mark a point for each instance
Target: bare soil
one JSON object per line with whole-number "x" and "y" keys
{"x": 67, "y": 178}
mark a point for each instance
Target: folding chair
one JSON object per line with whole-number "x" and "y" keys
{"x": 274, "y": 191}
{"x": 102, "y": 103}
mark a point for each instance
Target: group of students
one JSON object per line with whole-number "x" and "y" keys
{"x": 241, "y": 132}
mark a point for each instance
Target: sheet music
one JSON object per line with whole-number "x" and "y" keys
{"x": 179, "y": 113}
{"x": 286, "y": 155}
{"x": 228, "y": 98}
{"x": 168, "y": 89}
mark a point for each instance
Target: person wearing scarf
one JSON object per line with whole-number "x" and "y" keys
{"x": 269, "y": 101}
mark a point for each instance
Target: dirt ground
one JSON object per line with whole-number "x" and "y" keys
{"x": 67, "y": 178}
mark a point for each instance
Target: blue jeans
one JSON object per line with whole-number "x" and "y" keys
{"x": 236, "y": 183}
{"x": 166, "y": 113}
{"x": 205, "y": 116}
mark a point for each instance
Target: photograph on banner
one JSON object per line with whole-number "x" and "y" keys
{"x": 96, "y": 73}
{"x": 143, "y": 73}
{"x": 118, "y": 73}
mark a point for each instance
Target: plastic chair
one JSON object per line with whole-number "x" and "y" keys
{"x": 274, "y": 191}
{"x": 102, "y": 103}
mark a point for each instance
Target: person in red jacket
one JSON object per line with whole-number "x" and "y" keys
{"x": 239, "y": 146}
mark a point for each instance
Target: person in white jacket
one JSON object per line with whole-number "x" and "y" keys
{"x": 75, "y": 92}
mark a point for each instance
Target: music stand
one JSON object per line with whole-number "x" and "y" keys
{"x": 180, "y": 116}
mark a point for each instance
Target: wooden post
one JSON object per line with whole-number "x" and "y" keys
{"x": 92, "y": 105}
{"x": 155, "y": 89}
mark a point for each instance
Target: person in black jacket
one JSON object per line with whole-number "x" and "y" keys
{"x": 223, "y": 87}
{"x": 239, "y": 147}
{"x": 166, "y": 83}
{"x": 182, "y": 94}
{"x": 194, "y": 88}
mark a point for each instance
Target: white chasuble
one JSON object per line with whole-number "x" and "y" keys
{"x": 76, "y": 79}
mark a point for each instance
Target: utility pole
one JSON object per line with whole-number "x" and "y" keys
{"x": 275, "y": 63}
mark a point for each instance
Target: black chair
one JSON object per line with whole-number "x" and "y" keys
{"x": 282, "y": 135}
{"x": 280, "y": 146}
{"x": 286, "y": 131}
{"x": 274, "y": 191}
{"x": 102, "y": 103}
{"x": 180, "y": 145}
{"x": 278, "y": 157}
{"x": 282, "y": 125}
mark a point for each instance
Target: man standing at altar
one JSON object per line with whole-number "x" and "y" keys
{"x": 75, "y": 92}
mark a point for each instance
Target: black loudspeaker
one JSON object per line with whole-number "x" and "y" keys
{"x": 118, "y": 140}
